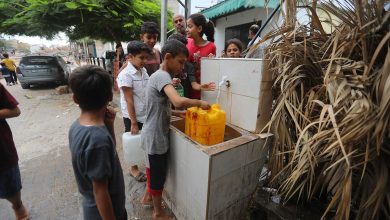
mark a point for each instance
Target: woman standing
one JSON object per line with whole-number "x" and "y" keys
{"x": 197, "y": 26}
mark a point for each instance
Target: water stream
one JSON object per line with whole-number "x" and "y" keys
{"x": 223, "y": 81}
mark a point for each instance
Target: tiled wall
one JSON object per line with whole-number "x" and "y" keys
{"x": 242, "y": 99}
{"x": 186, "y": 186}
{"x": 234, "y": 175}
{"x": 203, "y": 185}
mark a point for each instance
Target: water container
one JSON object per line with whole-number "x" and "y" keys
{"x": 180, "y": 90}
{"x": 206, "y": 126}
{"x": 132, "y": 151}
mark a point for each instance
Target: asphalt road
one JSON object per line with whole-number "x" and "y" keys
{"x": 41, "y": 138}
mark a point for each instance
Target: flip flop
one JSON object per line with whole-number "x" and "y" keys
{"x": 141, "y": 177}
{"x": 147, "y": 205}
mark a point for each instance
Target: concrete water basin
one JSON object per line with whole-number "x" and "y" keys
{"x": 212, "y": 182}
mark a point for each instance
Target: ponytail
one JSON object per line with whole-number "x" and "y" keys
{"x": 207, "y": 25}
{"x": 209, "y": 31}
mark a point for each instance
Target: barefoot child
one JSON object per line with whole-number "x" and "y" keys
{"x": 92, "y": 144}
{"x": 10, "y": 182}
{"x": 132, "y": 82}
{"x": 160, "y": 93}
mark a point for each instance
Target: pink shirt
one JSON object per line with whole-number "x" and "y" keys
{"x": 196, "y": 53}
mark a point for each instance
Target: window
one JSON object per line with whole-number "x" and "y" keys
{"x": 38, "y": 61}
{"x": 240, "y": 32}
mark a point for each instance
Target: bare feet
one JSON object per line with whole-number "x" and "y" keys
{"x": 161, "y": 216}
{"x": 21, "y": 212}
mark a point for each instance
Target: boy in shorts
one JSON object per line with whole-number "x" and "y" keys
{"x": 10, "y": 181}
{"x": 160, "y": 93}
{"x": 92, "y": 144}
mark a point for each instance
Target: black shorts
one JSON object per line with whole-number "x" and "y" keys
{"x": 156, "y": 172}
{"x": 10, "y": 182}
{"x": 127, "y": 123}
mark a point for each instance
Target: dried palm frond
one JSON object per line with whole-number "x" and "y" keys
{"x": 331, "y": 117}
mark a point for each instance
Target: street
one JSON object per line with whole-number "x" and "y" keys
{"x": 41, "y": 138}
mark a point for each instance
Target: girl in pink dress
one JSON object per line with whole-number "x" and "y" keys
{"x": 197, "y": 26}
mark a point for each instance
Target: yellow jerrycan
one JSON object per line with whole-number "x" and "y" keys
{"x": 207, "y": 127}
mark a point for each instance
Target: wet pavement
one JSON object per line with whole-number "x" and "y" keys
{"x": 41, "y": 138}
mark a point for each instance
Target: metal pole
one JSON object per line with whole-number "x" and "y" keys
{"x": 164, "y": 4}
{"x": 264, "y": 25}
{"x": 187, "y": 8}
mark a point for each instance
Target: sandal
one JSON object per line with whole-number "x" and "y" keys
{"x": 141, "y": 177}
{"x": 147, "y": 205}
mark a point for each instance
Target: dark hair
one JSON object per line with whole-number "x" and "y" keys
{"x": 179, "y": 37}
{"x": 92, "y": 87}
{"x": 175, "y": 48}
{"x": 5, "y": 55}
{"x": 234, "y": 41}
{"x": 254, "y": 28}
{"x": 136, "y": 47}
{"x": 118, "y": 45}
{"x": 149, "y": 27}
{"x": 207, "y": 25}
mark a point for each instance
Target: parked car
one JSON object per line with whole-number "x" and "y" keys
{"x": 42, "y": 69}
{"x": 109, "y": 56}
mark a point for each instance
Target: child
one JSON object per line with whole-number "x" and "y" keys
{"x": 233, "y": 48}
{"x": 149, "y": 35}
{"x": 187, "y": 76}
{"x": 11, "y": 66}
{"x": 132, "y": 82}
{"x": 7, "y": 75}
{"x": 197, "y": 25}
{"x": 160, "y": 93}
{"x": 10, "y": 182}
{"x": 92, "y": 144}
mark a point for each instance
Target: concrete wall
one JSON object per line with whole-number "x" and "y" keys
{"x": 247, "y": 16}
{"x": 212, "y": 182}
{"x": 101, "y": 47}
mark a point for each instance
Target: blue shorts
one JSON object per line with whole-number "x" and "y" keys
{"x": 10, "y": 182}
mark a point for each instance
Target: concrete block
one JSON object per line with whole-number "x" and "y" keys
{"x": 227, "y": 161}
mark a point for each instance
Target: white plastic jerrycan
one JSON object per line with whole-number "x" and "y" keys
{"x": 132, "y": 151}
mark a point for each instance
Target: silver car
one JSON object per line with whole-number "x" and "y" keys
{"x": 41, "y": 70}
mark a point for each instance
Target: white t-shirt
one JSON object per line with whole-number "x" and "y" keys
{"x": 137, "y": 80}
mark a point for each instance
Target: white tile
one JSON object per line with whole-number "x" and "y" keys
{"x": 210, "y": 71}
{"x": 244, "y": 112}
{"x": 250, "y": 177}
{"x": 228, "y": 161}
{"x": 244, "y": 76}
{"x": 177, "y": 178}
{"x": 254, "y": 151}
{"x": 178, "y": 148}
{"x": 198, "y": 177}
{"x": 176, "y": 188}
{"x": 225, "y": 190}
{"x": 195, "y": 212}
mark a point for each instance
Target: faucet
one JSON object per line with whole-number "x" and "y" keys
{"x": 224, "y": 81}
